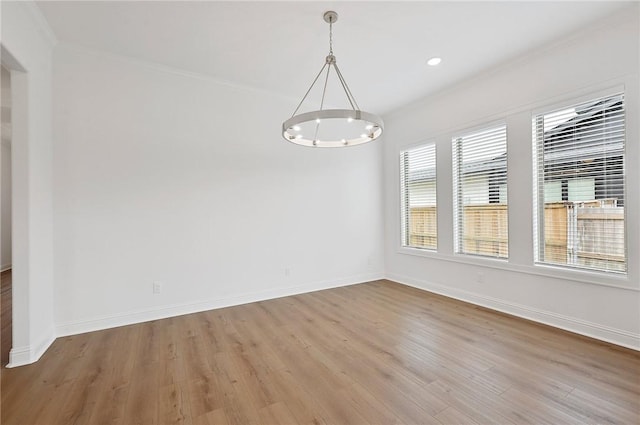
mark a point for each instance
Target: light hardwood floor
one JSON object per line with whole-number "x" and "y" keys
{"x": 375, "y": 353}
{"x": 5, "y": 316}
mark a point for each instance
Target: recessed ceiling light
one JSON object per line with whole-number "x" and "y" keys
{"x": 434, "y": 61}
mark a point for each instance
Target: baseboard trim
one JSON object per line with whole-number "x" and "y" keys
{"x": 19, "y": 356}
{"x": 22, "y": 356}
{"x": 571, "y": 324}
{"x": 163, "y": 312}
{"x": 5, "y": 268}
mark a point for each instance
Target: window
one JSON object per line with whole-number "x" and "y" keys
{"x": 418, "y": 191}
{"x": 579, "y": 185}
{"x": 480, "y": 193}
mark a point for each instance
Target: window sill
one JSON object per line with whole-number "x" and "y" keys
{"x": 618, "y": 280}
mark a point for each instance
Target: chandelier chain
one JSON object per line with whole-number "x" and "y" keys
{"x": 331, "y": 36}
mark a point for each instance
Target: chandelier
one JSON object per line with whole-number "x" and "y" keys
{"x": 332, "y": 127}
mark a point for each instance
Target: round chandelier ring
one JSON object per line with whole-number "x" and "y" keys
{"x": 374, "y": 128}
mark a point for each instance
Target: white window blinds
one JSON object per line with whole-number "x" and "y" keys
{"x": 579, "y": 185}
{"x": 480, "y": 193}
{"x": 418, "y": 192}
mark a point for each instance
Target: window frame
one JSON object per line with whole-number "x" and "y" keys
{"x": 518, "y": 264}
{"x": 456, "y": 192}
{"x": 538, "y": 227}
{"x": 404, "y": 222}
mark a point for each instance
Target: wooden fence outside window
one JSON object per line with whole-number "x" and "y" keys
{"x": 587, "y": 234}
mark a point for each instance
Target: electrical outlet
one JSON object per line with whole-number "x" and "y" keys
{"x": 287, "y": 272}
{"x": 157, "y": 287}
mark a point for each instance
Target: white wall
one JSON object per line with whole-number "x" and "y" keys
{"x": 166, "y": 176}
{"x": 603, "y": 56}
{"x": 5, "y": 173}
{"x": 26, "y": 45}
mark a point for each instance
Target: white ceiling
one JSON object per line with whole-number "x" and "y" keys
{"x": 381, "y": 47}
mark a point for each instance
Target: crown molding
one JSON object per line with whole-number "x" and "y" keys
{"x": 41, "y": 22}
{"x": 167, "y": 69}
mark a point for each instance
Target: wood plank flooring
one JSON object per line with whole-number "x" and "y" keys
{"x": 375, "y": 353}
{"x": 5, "y": 316}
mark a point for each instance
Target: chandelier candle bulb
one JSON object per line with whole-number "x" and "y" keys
{"x": 334, "y": 132}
